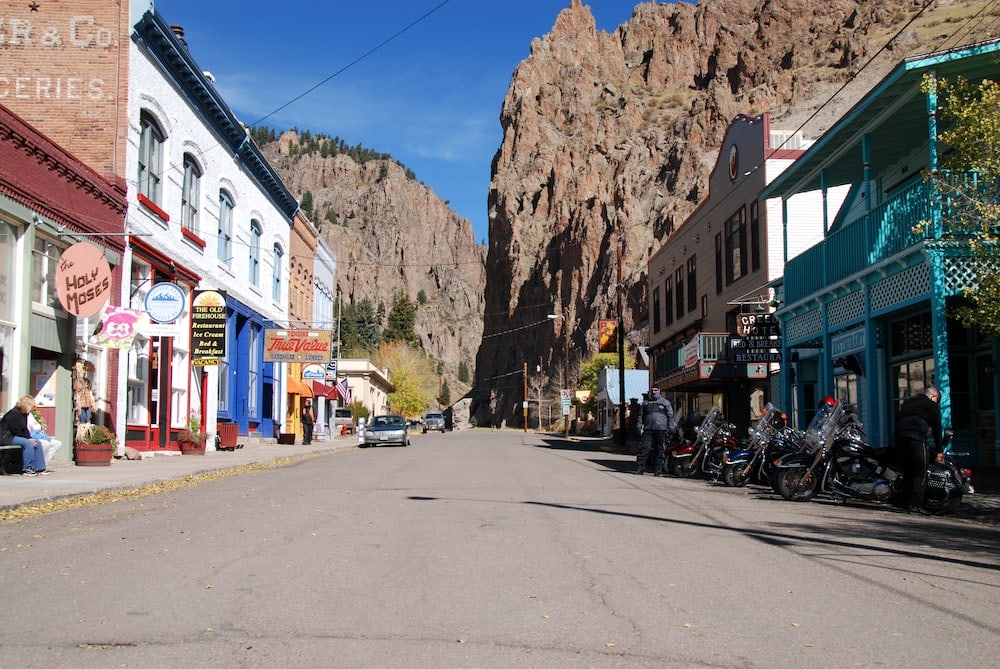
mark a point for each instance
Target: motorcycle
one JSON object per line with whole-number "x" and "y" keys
{"x": 705, "y": 455}
{"x": 835, "y": 459}
{"x": 768, "y": 440}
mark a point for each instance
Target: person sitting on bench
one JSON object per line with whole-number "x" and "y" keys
{"x": 15, "y": 424}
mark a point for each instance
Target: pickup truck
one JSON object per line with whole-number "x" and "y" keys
{"x": 433, "y": 420}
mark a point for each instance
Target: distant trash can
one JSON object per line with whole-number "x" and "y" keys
{"x": 228, "y": 433}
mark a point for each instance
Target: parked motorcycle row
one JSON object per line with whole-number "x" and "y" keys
{"x": 829, "y": 457}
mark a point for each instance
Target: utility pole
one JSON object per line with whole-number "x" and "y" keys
{"x": 524, "y": 404}
{"x": 621, "y": 353}
{"x": 566, "y": 377}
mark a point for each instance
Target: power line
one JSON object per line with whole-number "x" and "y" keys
{"x": 352, "y": 63}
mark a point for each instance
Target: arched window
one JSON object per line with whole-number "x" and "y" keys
{"x": 150, "y": 158}
{"x": 190, "y": 194}
{"x": 226, "y": 207}
{"x": 276, "y": 283}
{"x": 255, "y": 232}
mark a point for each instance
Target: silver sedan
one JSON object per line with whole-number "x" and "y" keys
{"x": 386, "y": 430}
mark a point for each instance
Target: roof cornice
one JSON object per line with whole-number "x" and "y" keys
{"x": 155, "y": 36}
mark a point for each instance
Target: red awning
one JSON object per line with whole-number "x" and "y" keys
{"x": 323, "y": 390}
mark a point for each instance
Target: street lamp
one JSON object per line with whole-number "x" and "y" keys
{"x": 565, "y": 382}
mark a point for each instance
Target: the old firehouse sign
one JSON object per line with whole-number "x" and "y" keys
{"x": 308, "y": 346}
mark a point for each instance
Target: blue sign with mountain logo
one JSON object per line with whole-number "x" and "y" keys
{"x": 164, "y": 302}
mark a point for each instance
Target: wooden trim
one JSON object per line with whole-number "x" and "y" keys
{"x": 192, "y": 237}
{"x": 152, "y": 206}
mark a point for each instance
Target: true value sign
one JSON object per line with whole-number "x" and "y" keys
{"x": 307, "y": 346}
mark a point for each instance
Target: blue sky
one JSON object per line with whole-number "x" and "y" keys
{"x": 430, "y": 97}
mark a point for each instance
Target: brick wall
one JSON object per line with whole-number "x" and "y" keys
{"x": 65, "y": 71}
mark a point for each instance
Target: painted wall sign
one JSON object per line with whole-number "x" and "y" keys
{"x": 83, "y": 280}
{"x": 165, "y": 302}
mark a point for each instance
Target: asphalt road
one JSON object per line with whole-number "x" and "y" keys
{"x": 492, "y": 549}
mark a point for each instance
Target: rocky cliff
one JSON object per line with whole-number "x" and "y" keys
{"x": 609, "y": 138}
{"x": 390, "y": 233}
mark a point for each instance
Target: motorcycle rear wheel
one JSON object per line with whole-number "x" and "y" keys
{"x": 733, "y": 476}
{"x": 790, "y": 484}
{"x": 937, "y": 506}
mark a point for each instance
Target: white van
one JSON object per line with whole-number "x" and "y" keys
{"x": 342, "y": 417}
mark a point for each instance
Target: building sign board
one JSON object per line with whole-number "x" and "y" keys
{"x": 208, "y": 328}
{"x": 758, "y": 325}
{"x": 306, "y": 346}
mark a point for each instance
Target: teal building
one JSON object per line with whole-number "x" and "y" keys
{"x": 866, "y": 314}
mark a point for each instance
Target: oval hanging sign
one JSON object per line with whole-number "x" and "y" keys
{"x": 165, "y": 302}
{"x": 83, "y": 280}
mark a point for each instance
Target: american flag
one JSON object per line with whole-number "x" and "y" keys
{"x": 344, "y": 391}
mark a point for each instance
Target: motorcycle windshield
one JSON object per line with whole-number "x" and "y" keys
{"x": 819, "y": 434}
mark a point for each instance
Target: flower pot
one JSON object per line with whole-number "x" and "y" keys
{"x": 191, "y": 447}
{"x": 93, "y": 455}
{"x": 228, "y": 434}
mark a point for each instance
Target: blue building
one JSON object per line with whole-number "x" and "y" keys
{"x": 866, "y": 313}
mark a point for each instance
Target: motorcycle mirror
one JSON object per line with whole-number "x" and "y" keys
{"x": 948, "y": 434}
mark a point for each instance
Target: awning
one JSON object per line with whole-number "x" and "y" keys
{"x": 323, "y": 390}
{"x": 296, "y": 387}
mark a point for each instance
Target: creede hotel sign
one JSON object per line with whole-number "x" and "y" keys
{"x": 308, "y": 346}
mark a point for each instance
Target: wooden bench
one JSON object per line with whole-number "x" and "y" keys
{"x": 11, "y": 459}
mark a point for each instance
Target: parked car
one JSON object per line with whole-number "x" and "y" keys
{"x": 433, "y": 420}
{"x": 387, "y": 429}
{"x": 342, "y": 417}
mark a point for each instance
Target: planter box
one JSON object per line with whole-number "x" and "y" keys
{"x": 93, "y": 455}
{"x": 191, "y": 448}
{"x": 228, "y": 433}
{"x": 286, "y": 438}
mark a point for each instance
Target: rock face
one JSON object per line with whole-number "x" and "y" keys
{"x": 393, "y": 234}
{"x": 609, "y": 138}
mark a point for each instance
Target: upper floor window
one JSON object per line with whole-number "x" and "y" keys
{"x": 190, "y": 194}
{"x": 150, "y": 158}
{"x": 276, "y": 283}
{"x": 754, "y": 237}
{"x": 656, "y": 309}
{"x": 225, "y": 227}
{"x": 736, "y": 246}
{"x": 679, "y": 284}
{"x": 719, "y": 264}
{"x": 668, "y": 300}
{"x": 692, "y": 280}
{"x": 44, "y": 261}
{"x": 255, "y": 233}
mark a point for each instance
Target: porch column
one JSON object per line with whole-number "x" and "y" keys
{"x": 936, "y": 259}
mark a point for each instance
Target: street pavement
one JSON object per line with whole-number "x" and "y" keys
{"x": 69, "y": 481}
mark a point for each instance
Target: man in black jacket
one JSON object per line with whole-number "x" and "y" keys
{"x": 655, "y": 420}
{"x": 917, "y": 416}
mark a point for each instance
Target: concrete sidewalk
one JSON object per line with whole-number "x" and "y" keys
{"x": 68, "y": 480}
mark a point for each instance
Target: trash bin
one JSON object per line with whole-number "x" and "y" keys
{"x": 228, "y": 433}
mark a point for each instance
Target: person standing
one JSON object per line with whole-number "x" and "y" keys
{"x": 308, "y": 420}
{"x": 655, "y": 421}
{"x": 15, "y": 424}
{"x": 918, "y": 416}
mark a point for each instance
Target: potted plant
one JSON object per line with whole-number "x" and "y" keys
{"x": 192, "y": 440}
{"x": 94, "y": 445}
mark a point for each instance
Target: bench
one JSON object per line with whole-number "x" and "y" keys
{"x": 11, "y": 459}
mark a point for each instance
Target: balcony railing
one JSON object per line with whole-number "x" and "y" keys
{"x": 891, "y": 227}
{"x": 712, "y": 347}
